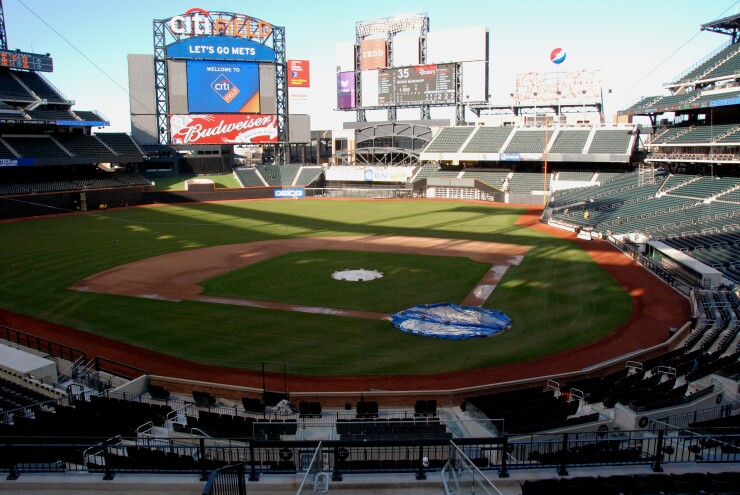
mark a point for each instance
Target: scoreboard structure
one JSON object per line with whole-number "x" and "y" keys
{"x": 397, "y": 62}
{"x": 220, "y": 78}
{"x": 417, "y": 85}
{"x": 28, "y": 61}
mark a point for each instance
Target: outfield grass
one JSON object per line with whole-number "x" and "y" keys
{"x": 557, "y": 297}
{"x": 306, "y": 278}
{"x": 178, "y": 183}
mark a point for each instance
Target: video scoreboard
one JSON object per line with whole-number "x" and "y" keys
{"x": 417, "y": 85}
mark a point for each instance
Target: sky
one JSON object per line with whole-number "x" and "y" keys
{"x": 637, "y": 45}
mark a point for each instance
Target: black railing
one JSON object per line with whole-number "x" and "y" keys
{"x": 685, "y": 419}
{"x": 118, "y": 368}
{"x": 202, "y": 455}
{"x": 40, "y": 344}
{"x": 228, "y": 480}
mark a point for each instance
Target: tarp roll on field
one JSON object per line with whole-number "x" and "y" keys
{"x": 451, "y": 321}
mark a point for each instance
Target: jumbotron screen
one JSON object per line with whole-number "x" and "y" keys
{"x": 417, "y": 85}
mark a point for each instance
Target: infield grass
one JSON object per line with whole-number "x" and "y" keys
{"x": 557, "y": 297}
{"x": 305, "y": 278}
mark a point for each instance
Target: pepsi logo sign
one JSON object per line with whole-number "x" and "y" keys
{"x": 557, "y": 56}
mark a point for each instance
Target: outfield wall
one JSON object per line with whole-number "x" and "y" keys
{"x": 215, "y": 195}
{"x": 34, "y": 205}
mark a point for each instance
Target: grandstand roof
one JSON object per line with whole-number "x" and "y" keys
{"x": 726, "y": 25}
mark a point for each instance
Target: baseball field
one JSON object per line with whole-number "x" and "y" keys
{"x": 557, "y": 296}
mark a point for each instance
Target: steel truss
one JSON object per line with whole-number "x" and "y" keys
{"x": 391, "y": 134}
{"x": 160, "y": 82}
{"x": 282, "y": 153}
{"x": 389, "y": 26}
{"x": 3, "y": 35}
{"x": 378, "y": 156}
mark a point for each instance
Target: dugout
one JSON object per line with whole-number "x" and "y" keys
{"x": 24, "y": 364}
{"x": 684, "y": 266}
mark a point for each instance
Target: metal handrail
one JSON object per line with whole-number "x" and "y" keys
{"x": 150, "y": 424}
{"x": 677, "y": 80}
{"x": 85, "y": 454}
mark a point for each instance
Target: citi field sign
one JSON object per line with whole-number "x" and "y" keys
{"x": 200, "y": 22}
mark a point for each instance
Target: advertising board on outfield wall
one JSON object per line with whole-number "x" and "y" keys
{"x": 17, "y": 162}
{"x": 223, "y": 129}
{"x": 373, "y": 174}
{"x": 289, "y": 193}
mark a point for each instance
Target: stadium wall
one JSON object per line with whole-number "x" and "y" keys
{"x": 216, "y": 195}
{"x": 34, "y": 205}
{"x": 524, "y": 199}
{"x": 220, "y": 164}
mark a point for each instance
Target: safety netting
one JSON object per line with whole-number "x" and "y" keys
{"x": 451, "y": 321}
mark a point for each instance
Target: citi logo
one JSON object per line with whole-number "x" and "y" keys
{"x": 225, "y": 88}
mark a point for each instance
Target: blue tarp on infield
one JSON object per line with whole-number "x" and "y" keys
{"x": 451, "y": 321}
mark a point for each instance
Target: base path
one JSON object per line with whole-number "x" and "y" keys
{"x": 175, "y": 276}
{"x": 656, "y": 308}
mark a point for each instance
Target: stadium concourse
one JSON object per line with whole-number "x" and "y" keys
{"x": 656, "y": 308}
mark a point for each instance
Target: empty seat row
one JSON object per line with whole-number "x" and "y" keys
{"x": 390, "y": 427}
{"x": 367, "y": 409}
{"x": 222, "y": 425}
{"x": 602, "y": 452}
{"x": 276, "y": 427}
{"x": 203, "y": 399}
{"x": 425, "y": 407}
{"x": 309, "y": 409}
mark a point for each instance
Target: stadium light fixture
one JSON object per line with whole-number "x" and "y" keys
{"x": 391, "y": 25}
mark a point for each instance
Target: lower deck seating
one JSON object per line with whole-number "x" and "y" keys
{"x": 527, "y": 410}
{"x": 222, "y": 425}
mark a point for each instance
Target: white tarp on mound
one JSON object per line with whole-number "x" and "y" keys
{"x": 451, "y": 321}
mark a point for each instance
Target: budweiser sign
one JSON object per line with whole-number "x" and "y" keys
{"x": 223, "y": 129}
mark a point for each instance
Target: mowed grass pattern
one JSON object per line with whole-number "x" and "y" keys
{"x": 306, "y": 278}
{"x": 557, "y": 297}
